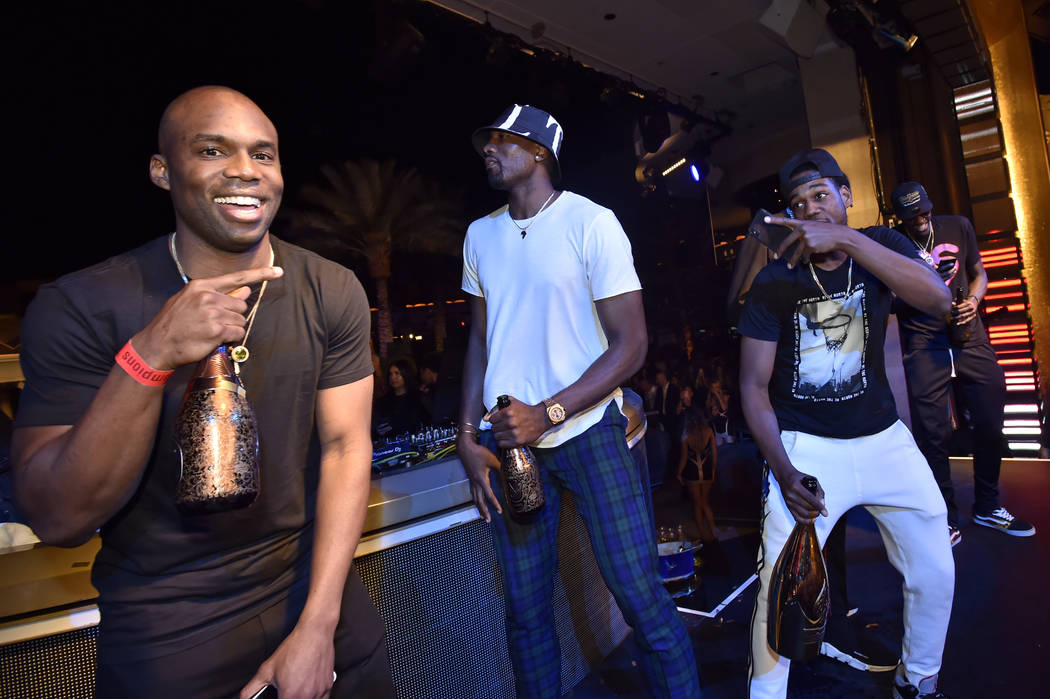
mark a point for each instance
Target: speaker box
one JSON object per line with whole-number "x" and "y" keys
{"x": 439, "y": 592}
{"x": 57, "y": 665}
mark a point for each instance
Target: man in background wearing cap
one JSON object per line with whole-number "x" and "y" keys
{"x": 932, "y": 359}
{"x": 558, "y": 325}
{"x": 816, "y": 398}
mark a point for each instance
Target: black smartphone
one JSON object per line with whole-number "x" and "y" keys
{"x": 267, "y": 692}
{"x": 769, "y": 234}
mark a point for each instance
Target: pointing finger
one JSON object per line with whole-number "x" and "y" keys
{"x": 234, "y": 280}
{"x": 791, "y": 223}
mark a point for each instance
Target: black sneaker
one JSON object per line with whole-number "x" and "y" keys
{"x": 1005, "y": 522}
{"x": 927, "y": 689}
{"x": 860, "y": 648}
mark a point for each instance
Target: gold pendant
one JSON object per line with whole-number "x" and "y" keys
{"x": 240, "y": 354}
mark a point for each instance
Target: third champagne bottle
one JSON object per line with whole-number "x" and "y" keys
{"x": 798, "y": 593}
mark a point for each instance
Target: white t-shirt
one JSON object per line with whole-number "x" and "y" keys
{"x": 542, "y": 326}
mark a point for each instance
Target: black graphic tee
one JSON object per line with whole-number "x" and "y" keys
{"x": 953, "y": 252}
{"x": 829, "y": 375}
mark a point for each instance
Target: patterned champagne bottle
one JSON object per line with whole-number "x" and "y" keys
{"x": 798, "y": 593}
{"x": 520, "y": 475}
{"x": 217, "y": 440}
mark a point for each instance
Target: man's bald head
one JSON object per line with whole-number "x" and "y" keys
{"x": 204, "y": 97}
{"x": 219, "y": 161}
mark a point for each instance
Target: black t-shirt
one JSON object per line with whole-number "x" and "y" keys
{"x": 167, "y": 581}
{"x": 829, "y": 375}
{"x": 955, "y": 244}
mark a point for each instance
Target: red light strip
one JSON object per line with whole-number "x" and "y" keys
{"x": 998, "y": 251}
{"x": 1004, "y": 362}
{"x": 998, "y": 258}
{"x": 1004, "y": 282}
{"x": 1008, "y": 295}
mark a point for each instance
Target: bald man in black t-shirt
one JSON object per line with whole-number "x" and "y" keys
{"x": 220, "y": 604}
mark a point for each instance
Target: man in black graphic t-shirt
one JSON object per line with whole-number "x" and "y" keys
{"x": 935, "y": 363}
{"x": 816, "y": 398}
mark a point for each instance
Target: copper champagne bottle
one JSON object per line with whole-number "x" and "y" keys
{"x": 217, "y": 440}
{"x": 798, "y": 593}
{"x": 520, "y": 475}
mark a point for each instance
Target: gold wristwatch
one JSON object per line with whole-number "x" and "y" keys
{"x": 555, "y": 413}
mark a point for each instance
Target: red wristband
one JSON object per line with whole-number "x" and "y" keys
{"x": 130, "y": 361}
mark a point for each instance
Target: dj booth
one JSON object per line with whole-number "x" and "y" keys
{"x": 426, "y": 558}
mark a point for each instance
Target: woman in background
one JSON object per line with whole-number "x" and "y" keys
{"x": 696, "y": 468}
{"x": 400, "y": 409}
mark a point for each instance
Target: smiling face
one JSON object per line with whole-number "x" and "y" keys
{"x": 219, "y": 161}
{"x": 511, "y": 159}
{"x": 820, "y": 200}
{"x": 918, "y": 227}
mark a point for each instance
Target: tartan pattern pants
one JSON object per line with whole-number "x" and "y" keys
{"x": 887, "y": 474}
{"x": 597, "y": 469}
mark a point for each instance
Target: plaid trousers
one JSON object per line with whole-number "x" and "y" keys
{"x": 599, "y": 472}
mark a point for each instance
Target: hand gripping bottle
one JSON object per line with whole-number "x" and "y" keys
{"x": 520, "y": 475}
{"x": 798, "y": 593}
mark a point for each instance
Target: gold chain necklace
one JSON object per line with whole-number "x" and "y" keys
{"x": 531, "y": 219}
{"x": 926, "y": 250}
{"x": 849, "y": 279}
{"x": 239, "y": 353}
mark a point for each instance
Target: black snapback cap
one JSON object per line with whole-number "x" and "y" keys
{"x": 909, "y": 200}
{"x": 818, "y": 162}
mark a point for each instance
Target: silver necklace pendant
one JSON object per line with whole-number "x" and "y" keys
{"x": 240, "y": 354}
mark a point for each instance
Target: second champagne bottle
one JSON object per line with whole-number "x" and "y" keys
{"x": 520, "y": 475}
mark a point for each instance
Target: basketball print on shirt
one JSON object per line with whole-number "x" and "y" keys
{"x": 831, "y": 341}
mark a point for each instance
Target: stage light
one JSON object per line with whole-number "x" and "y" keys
{"x": 905, "y": 42}
{"x": 695, "y": 172}
{"x": 674, "y": 166}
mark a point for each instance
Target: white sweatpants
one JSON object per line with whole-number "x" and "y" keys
{"x": 887, "y": 474}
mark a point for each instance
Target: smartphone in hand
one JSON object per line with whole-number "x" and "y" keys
{"x": 769, "y": 234}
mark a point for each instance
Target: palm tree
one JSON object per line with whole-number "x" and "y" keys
{"x": 368, "y": 209}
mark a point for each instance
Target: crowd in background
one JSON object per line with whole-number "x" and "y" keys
{"x": 691, "y": 404}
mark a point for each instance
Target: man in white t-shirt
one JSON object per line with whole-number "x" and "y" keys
{"x": 558, "y": 325}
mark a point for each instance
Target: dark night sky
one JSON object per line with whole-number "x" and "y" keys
{"x": 90, "y": 82}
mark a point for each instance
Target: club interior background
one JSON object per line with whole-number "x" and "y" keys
{"x": 341, "y": 80}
